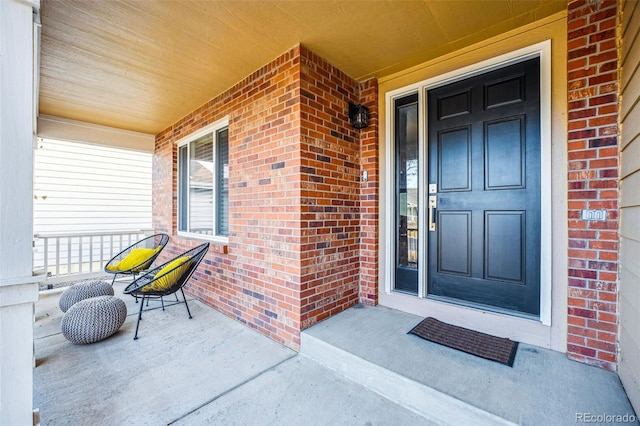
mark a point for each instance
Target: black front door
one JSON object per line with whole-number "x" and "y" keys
{"x": 484, "y": 189}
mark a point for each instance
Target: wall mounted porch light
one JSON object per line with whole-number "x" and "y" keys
{"x": 359, "y": 116}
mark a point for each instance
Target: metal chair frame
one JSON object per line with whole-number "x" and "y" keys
{"x": 135, "y": 289}
{"x": 152, "y": 241}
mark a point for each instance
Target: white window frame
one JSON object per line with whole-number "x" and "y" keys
{"x": 212, "y": 129}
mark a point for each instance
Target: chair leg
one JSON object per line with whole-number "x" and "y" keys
{"x": 135, "y": 336}
{"x": 114, "y": 279}
{"x": 185, "y": 303}
{"x": 136, "y": 296}
{"x": 162, "y": 300}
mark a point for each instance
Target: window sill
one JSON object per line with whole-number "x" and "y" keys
{"x": 218, "y": 245}
{"x": 219, "y": 248}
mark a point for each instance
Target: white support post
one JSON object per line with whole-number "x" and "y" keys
{"x": 18, "y": 288}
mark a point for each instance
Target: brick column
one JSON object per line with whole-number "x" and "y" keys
{"x": 330, "y": 191}
{"x": 593, "y": 181}
{"x": 297, "y": 234}
{"x": 369, "y": 196}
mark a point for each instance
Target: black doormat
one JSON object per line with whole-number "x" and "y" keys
{"x": 469, "y": 341}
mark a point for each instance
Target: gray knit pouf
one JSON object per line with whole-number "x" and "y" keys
{"x": 91, "y": 320}
{"x": 84, "y": 290}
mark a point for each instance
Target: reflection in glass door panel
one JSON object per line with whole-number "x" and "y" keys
{"x": 406, "y": 193}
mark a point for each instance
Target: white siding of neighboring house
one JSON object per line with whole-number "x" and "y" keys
{"x": 83, "y": 188}
{"x": 89, "y": 188}
{"x": 629, "y": 294}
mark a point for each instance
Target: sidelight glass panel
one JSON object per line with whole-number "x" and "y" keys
{"x": 407, "y": 206}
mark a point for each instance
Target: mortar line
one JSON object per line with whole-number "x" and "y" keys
{"x": 231, "y": 389}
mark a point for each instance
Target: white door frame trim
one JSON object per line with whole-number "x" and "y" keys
{"x": 541, "y": 50}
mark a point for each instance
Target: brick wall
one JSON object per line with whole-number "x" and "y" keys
{"x": 293, "y": 256}
{"x": 593, "y": 181}
{"x": 330, "y": 172}
{"x": 369, "y": 196}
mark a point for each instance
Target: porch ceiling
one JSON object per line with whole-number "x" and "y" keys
{"x": 142, "y": 65}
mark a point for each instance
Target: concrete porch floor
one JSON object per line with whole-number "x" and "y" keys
{"x": 206, "y": 370}
{"x": 359, "y": 367}
{"x": 371, "y": 345}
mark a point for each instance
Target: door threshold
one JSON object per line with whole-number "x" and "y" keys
{"x": 405, "y": 292}
{"x": 520, "y": 328}
{"x": 484, "y": 308}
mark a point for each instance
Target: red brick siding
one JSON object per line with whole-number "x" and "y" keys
{"x": 293, "y": 255}
{"x": 369, "y": 196}
{"x": 330, "y": 172}
{"x": 257, "y": 281}
{"x": 264, "y": 203}
{"x": 593, "y": 181}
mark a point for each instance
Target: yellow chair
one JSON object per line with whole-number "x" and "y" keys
{"x": 138, "y": 257}
{"x": 167, "y": 279}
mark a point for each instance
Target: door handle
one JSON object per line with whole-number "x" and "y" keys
{"x": 433, "y": 203}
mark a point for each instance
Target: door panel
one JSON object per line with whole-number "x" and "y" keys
{"x": 454, "y": 241}
{"x": 454, "y": 162}
{"x": 504, "y": 240}
{"x": 454, "y": 105}
{"x": 504, "y": 156}
{"x": 505, "y": 92}
{"x": 484, "y": 156}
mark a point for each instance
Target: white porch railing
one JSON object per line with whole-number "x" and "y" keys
{"x": 73, "y": 256}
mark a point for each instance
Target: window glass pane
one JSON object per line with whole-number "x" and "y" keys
{"x": 183, "y": 186}
{"x": 222, "y": 156}
{"x": 201, "y": 185}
